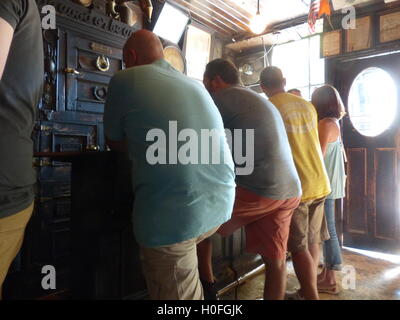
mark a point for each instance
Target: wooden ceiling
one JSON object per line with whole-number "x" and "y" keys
{"x": 231, "y": 18}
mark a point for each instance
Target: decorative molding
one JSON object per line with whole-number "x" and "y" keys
{"x": 79, "y": 13}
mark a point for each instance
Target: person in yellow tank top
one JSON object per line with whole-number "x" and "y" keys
{"x": 305, "y": 237}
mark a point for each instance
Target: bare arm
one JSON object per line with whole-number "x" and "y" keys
{"x": 6, "y": 35}
{"x": 328, "y": 132}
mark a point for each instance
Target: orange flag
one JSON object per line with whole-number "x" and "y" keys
{"x": 324, "y": 8}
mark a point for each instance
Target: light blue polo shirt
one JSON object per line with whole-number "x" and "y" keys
{"x": 179, "y": 192}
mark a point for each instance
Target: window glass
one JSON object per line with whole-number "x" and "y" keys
{"x": 305, "y": 92}
{"x": 317, "y": 65}
{"x": 292, "y": 59}
{"x": 301, "y": 64}
{"x": 198, "y": 43}
{"x": 171, "y": 23}
{"x": 370, "y": 111}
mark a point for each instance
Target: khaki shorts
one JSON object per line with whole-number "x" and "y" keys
{"x": 171, "y": 272}
{"x": 12, "y": 231}
{"x": 308, "y": 225}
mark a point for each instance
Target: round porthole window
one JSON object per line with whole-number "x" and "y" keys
{"x": 372, "y": 102}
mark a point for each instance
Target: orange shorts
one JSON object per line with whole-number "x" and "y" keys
{"x": 267, "y": 223}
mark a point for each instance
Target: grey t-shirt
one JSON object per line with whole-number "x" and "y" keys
{"x": 274, "y": 175}
{"x": 20, "y": 91}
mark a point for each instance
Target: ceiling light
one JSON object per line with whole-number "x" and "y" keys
{"x": 257, "y": 23}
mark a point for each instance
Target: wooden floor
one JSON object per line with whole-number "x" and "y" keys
{"x": 376, "y": 279}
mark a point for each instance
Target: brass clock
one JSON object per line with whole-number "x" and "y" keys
{"x": 175, "y": 57}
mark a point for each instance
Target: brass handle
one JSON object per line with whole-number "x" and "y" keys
{"x": 103, "y": 63}
{"x": 45, "y": 128}
{"x": 93, "y": 147}
{"x": 72, "y": 71}
{"x": 38, "y": 163}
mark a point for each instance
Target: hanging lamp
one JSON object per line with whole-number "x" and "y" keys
{"x": 257, "y": 23}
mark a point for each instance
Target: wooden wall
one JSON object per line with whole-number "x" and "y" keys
{"x": 369, "y": 218}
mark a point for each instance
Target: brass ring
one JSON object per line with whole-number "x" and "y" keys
{"x": 103, "y": 63}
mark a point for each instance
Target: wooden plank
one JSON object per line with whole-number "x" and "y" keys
{"x": 332, "y": 43}
{"x": 389, "y": 27}
{"x": 218, "y": 16}
{"x": 212, "y": 26}
{"x": 340, "y": 4}
{"x": 356, "y": 205}
{"x": 229, "y": 14}
{"x": 206, "y": 19}
{"x": 361, "y": 37}
{"x": 234, "y": 8}
{"x": 386, "y": 196}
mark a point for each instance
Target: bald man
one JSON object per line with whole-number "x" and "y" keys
{"x": 179, "y": 200}
{"x": 296, "y": 92}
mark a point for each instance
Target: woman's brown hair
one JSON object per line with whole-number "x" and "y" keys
{"x": 328, "y": 103}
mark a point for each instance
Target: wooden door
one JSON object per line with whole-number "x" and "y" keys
{"x": 372, "y": 207}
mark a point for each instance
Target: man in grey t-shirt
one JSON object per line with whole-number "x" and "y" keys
{"x": 266, "y": 195}
{"x": 21, "y": 79}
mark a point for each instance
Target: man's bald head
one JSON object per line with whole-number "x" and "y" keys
{"x": 143, "y": 47}
{"x": 272, "y": 81}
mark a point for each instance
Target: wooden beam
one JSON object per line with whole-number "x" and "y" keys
{"x": 234, "y": 9}
{"x": 207, "y": 18}
{"x": 217, "y": 14}
{"x": 204, "y": 11}
{"x": 223, "y": 32}
{"x": 226, "y": 14}
{"x": 211, "y": 25}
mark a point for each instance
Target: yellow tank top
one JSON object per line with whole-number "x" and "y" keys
{"x": 301, "y": 122}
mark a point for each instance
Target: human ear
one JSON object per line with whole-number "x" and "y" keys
{"x": 130, "y": 58}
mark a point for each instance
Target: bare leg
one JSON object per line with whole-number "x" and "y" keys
{"x": 330, "y": 278}
{"x": 275, "y": 279}
{"x": 315, "y": 252}
{"x": 322, "y": 275}
{"x": 204, "y": 255}
{"x": 304, "y": 266}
